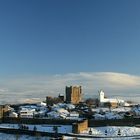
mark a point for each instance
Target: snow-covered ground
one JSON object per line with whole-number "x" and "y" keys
{"x": 71, "y": 138}
{"x": 113, "y": 131}
{"x": 105, "y": 109}
{"x": 42, "y": 128}
{"x": 96, "y": 131}
{"x": 21, "y": 137}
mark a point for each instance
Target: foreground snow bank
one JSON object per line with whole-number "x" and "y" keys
{"x": 96, "y": 131}
{"x": 113, "y": 131}
{"x": 21, "y": 137}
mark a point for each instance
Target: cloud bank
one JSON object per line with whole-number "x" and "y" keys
{"x": 36, "y": 88}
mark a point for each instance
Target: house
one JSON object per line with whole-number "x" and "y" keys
{"x": 5, "y": 110}
{"x": 26, "y": 113}
{"x": 13, "y": 115}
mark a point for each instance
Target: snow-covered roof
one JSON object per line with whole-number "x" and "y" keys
{"x": 61, "y": 94}
{"x": 107, "y": 115}
{"x": 27, "y": 110}
{"x": 43, "y": 104}
{"x": 112, "y": 100}
{"x": 29, "y": 107}
{"x": 74, "y": 114}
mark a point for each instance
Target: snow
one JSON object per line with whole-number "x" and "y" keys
{"x": 42, "y": 104}
{"x": 64, "y": 105}
{"x": 29, "y": 107}
{"x": 70, "y": 106}
{"x": 58, "y": 113}
{"x": 105, "y": 100}
{"x": 111, "y": 115}
{"x": 113, "y": 131}
{"x": 126, "y": 104}
{"x": 42, "y": 128}
{"x": 117, "y": 110}
{"x": 60, "y": 110}
{"x": 107, "y": 115}
{"x": 121, "y": 109}
{"x": 21, "y": 137}
{"x": 74, "y": 114}
{"x": 136, "y": 110}
{"x": 13, "y": 114}
{"x": 96, "y": 131}
{"x": 98, "y": 110}
{"x": 99, "y": 117}
{"x": 100, "y": 131}
{"x": 53, "y": 114}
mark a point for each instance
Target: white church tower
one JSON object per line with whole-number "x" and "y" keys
{"x": 101, "y": 96}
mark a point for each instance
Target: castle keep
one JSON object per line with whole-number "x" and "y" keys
{"x": 73, "y": 94}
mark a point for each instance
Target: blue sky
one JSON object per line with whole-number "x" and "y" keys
{"x": 93, "y": 43}
{"x": 69, "y": 36}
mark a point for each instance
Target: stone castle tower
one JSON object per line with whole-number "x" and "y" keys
{"x": 73, "y": 94}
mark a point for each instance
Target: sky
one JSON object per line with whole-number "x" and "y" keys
{"x": 62, "y": 37}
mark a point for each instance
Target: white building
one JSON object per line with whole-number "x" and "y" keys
{"x": 104, "y": 100}
{"x": 13, "y": 115}
{"x": 26, "y": 113}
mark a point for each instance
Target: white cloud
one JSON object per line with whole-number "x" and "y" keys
{"x": 3, "y": 90}
{"x": 28, "y": 87}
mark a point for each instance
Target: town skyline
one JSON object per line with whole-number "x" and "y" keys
{"x": 37, "y": 87}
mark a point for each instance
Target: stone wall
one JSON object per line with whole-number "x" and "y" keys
{"x": 73, "y": 94}
{"x": 80, "y": 126}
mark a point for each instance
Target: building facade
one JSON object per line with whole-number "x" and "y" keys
{"x": 108, "y": 102}
{"x": 4, "y": 110}
{"x": 73, "y": 94}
